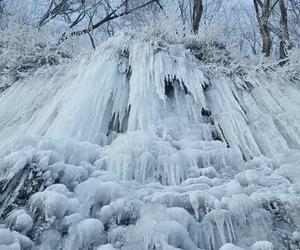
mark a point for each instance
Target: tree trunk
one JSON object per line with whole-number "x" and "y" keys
{"x": 263, "y": 22}
{"x": 267, "y": 42}
{"x": 197, "y": 13}
{"x": 284, "y": 36}
{"x": 266, "y": 31}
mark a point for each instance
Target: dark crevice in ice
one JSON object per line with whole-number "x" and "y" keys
{"x": 171, "y": 82}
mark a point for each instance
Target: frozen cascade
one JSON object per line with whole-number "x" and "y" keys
{"x": 141, "y": 146}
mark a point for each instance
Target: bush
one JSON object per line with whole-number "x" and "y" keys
{"x": 24, "y": 49}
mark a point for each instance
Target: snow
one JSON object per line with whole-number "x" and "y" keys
{"x": 115, "y": 161}
{"x": 20, "y": 221}
{"x": 49, "y": 239}
{"x": 84, "y": 234}
{"x": 262, "y": 245}
{"x": 230, "y": 246}
{"x": 296, "y": 235}
{"x": 13, "y": 240}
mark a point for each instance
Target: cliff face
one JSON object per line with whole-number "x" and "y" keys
{"x": 149, "y": 145}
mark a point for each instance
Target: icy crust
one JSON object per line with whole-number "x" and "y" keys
{"x": 141, "y": 146}
{"x": 87, "y": 201}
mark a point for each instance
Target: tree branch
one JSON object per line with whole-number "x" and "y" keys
{"x": 111, "y": 16}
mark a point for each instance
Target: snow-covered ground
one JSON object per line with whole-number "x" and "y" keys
{"x": 142, "y": 146}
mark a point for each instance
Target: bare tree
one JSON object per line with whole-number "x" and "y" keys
{"x": 85, "y": 13}
{"x": 284, "y": 31}
{"x": 248, "y": 30}
{"x": 183, "y": 9}
{"x": 263, "y": 11}
{"x": 197, "y": 13}
{"x": 63, "y": 8}
{"x": 295, "y": 8}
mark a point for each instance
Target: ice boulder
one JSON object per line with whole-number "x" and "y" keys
{"x": 20, "y": 221}
{"x": 262, "y": 245}
{"x": 84, "y": 235}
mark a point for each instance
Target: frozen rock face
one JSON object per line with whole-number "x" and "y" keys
{"x": 142, "y": 146}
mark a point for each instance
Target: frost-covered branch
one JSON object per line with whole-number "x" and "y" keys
{"x": 112, "y": 15}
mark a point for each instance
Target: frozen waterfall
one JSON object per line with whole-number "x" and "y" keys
{"x": 142, "y": 146}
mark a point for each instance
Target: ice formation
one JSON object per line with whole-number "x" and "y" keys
{"x": 142, "y": 146}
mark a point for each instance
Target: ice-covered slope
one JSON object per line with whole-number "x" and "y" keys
{"x": 142, "y": 146}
